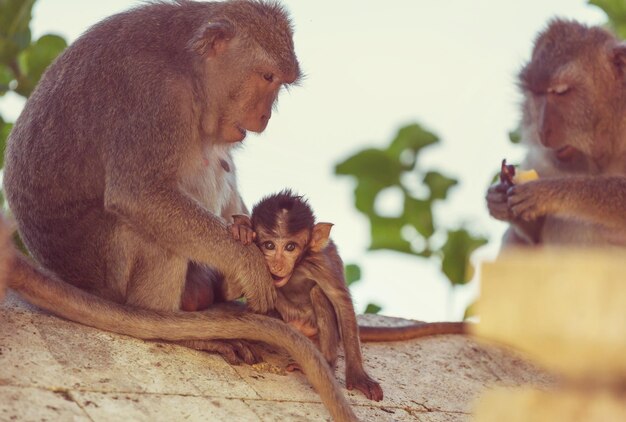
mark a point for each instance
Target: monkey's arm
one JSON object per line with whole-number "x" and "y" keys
{"x": 596, "y": 199}
{"x": 329, "y": 276}
{"x": 327, "y": 325}
{"x": 147, "y": 195}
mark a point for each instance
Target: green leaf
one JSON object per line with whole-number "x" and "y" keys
{"x": 36, "y": 58}
{"x": 372, "y": 308}
{"x": 387, "y": 234}
{"x": 470, "y": 311}
{"x": 372, "y": 164}
{"x": 353, "y": 273}
{"x": 15, "y": 16}
{"x": 19, "y": 243}
{"x": 616, "y": 12}
{"x": 515, "y": 136}
{"x": 411, "y": 138}
{"x": 438, "y": 184}
{"x": 365, "y": 195}
{"x": 5, "y": 129}
{"x": 6, "y": 76}
{"x": 418, "y": 213}
{"x": 456, "y": 253}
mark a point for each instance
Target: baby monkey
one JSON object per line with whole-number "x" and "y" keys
{"x": 309, "y": 276}
{"x": 312, "y": 294}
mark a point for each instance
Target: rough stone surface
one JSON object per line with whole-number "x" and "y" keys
{"x": 52, "y": 369}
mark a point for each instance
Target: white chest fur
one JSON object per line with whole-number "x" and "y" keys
{"x": 211, "y": 180}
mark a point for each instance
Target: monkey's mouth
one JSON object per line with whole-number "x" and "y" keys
{"x": 566, "y": 153}
{"x": 242, "y": 131}
{"x": 280, "y": 281}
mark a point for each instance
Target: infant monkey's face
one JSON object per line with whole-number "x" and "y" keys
{"x": 282, "y": 251}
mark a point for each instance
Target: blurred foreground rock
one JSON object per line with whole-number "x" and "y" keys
{"x": 567, "y": 310}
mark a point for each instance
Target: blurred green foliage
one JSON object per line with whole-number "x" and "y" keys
{"x": 413, "y": 230}
{"x": 616, "y": 13}
{"x": 22, "y": 60}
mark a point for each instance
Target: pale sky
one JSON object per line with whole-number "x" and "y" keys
{"x": 371, "y": 68}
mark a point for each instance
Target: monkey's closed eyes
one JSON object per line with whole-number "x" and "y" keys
{"x": 572, "y": 123}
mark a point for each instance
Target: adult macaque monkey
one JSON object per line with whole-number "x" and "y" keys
{"x": 119, "y": 174}
{"x": 574, "y": 124}
{"x": 312, "y": 293}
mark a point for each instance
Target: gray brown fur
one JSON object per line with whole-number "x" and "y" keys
{"x": 325, "y": 269}
{"x": 115, "y": 175}
{"x": 574, "y": 126}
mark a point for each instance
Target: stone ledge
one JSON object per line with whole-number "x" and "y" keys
{"x": 58, "y": 370}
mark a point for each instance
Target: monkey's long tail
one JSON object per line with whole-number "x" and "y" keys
{"x": 48, "y": 292}
{"x": 408, "y": 332}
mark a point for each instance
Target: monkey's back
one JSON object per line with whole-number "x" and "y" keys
{"x": 104, "y": 91}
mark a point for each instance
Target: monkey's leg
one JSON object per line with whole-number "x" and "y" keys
{"x": 328, "y": 329}
{"x": 201, "y": 288}
{"x": 204, "y": 287}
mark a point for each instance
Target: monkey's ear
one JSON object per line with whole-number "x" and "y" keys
{"x": 619, "y": 57}
{"x": 320, "y": 237}
{"x": 242, "y": 220}
{"x": 213, "y": 38}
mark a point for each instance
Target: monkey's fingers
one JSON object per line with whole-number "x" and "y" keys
{"x": 247, "y": 351}
{"x": 246, "y": 234}
{"x": 250, "y": 236}
{"x": 523, "y": 203}
{"x": 366, "y": 385}
{"x": 234, "y": 352}
{"x": 497, "y": 204}
{"x": 293, "y": 367}
{"x": 234, "y": 230}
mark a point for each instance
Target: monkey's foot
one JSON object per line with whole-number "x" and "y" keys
{"x": 293, "y": 366}
{"x": 234, "y": 351}
{"x": 369, "y": 387}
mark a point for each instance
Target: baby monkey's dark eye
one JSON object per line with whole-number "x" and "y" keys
{"x": 269, "y": 245}
{"x": 290, "y": 247}
{"x": 268, "y": 77}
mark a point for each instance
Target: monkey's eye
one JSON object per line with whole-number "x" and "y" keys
{"x": 269, "y": 245}
{"x": 290, "y": 247}
{"x": 560, "y": 89}
{"x": 268, "y": 77}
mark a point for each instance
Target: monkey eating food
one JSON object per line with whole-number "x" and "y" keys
{"x": 312, "y": 293}
{"x": 510, "y": 176}
{"x": 119, "y": 173}
{"x": 573, "y": 125}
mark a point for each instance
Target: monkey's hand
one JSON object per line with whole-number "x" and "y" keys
{"x": 255, "y": 282}
{"x": 366, "y": 385}
{"x": 532, "y": 200}
{"x": 242, "y": 232}
{"x": 497, "y": 202}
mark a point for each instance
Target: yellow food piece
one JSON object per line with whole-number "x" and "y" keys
{"x": 523, "y": 176}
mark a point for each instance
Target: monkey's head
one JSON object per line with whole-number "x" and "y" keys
{"x": 286, "y": 231}
{"x": 574, "y": 91}
{"x": 247, "y": 56}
